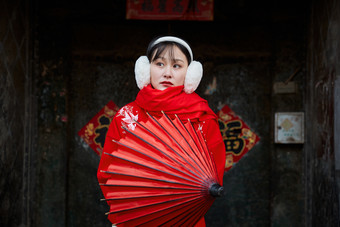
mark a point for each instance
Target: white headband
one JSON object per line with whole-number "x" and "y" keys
{"x": 176, "y": 40}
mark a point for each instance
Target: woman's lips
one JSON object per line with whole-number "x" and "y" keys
{"x": 166, "y": 83}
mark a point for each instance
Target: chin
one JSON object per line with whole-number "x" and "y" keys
{"x": 162, "y": 88}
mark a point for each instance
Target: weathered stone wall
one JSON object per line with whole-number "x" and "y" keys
{"x": 286, "y": 164}
{"x": 52, "y": 144}
{"x": 322, "y": 140}
{"x": 16, "y": 121}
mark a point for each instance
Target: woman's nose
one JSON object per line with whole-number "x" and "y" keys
{"x": 167, "y": 72}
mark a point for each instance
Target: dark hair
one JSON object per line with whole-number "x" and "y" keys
{"x": 154, "y": 51}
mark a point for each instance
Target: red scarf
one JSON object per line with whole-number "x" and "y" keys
{"x": 174, "y": 100}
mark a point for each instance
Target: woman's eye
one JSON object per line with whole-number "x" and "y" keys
{"x": 176, "y": 66}
{"x": 159, "y": 64}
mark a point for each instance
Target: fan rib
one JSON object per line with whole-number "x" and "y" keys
{"x": 187, "y": 208}
{"x": 146, "y": 196}
{"x": 193, "y": 217}
{"x": 171, "y": 158}
{"x": 193, "y": 152}
{"x": 207, "y": 153}
{"x": 155, "y": 159}
{"x": 205, "y": 162}
{"x": 181, "y": 147}
{"x": 154, "y": 179}
{"x": 166, "y": 144}
{"x": 178, "y": 203}
{"x": 159, "y": 203}
{"x": 154, "y": 187}
{"x": 207, "y": 159}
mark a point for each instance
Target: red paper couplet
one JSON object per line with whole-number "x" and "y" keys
{"x": 94, "y": 132}
{"x": 237, "y": 136}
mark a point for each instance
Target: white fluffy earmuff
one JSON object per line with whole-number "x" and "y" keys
{"x": 142, "y": 72}
{"x": 192, "y": 78}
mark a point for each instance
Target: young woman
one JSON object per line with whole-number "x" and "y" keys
{"x": 167, "y": 78}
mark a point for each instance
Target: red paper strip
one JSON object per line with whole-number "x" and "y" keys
{"x": 202, "y": 10}
{"x": 94, "y": 132}
{"x": 237, "y": 136}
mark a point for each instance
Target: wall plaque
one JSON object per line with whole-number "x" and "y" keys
{"x": 289, "y": 127}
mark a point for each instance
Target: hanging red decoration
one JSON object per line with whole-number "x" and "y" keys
{"x": 94, "y": 132}
{"x": 237, "y": 136}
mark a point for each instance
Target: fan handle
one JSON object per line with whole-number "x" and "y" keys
{"x": 216, "y": 190}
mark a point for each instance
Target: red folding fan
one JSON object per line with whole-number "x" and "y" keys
{"x": 162, "y": 173}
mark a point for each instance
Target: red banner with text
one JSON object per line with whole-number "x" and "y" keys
{"x": 201, "y": 10}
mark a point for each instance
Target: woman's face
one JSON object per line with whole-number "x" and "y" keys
{"x": 168, "y": 70}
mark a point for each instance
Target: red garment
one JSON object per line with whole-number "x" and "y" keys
{"x": 172, "y": 101}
